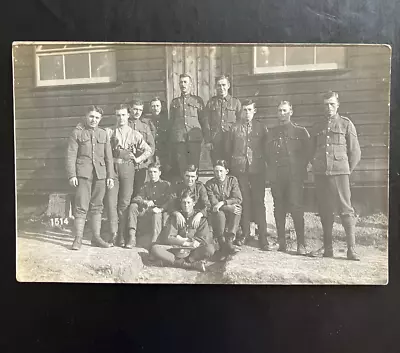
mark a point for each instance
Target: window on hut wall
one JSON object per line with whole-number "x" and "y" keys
{"x": 72, "y": 64}
{"x": 272, "y": 59}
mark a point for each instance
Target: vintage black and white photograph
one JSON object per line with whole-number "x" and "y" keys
{"x": 201, "y": 163}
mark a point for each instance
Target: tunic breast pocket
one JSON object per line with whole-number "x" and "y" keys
{"x": 231, "y": 115}
{"x": 85, "y": 146}
{"x": 101, "y": 140}
{"x": 193, "y": 109}
{"x": 338, "y": 136}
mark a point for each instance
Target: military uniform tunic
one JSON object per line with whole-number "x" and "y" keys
{"x": 228, "y": 192}
{"x": 141, "y": 217}
{"x": 245, "y": 148}
{"x": 335, "y": 152}
{"x": 221, "y": 114}
{"x": 188, "y": 128}
{"x": 141, "y": 169}
{"x": 89, "y": 158}
{"x": 287, "y": 151}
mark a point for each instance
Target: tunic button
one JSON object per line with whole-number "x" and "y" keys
{"x": 327, "y": 144}
{"x": 327, "y": 152}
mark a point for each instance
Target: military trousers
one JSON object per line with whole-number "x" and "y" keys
{"x": 145, "y": 222}
{"x": 89, "y": 196}
{"x": 119, "y": 197}
{"x": 252, "y": 187}
{"x": 225, "y": 221}
{"x": 139, "y": 180}
{"x": 218, "y": 150}
{"x": 186, "y": 153}
{"x": 333, "y": 194}
{"x": 168, "y": 253}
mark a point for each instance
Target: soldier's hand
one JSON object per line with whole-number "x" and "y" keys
{"x": 196, "y": 243}
{"x": 180, "y": 220}
{"x": 110, "y": 183}
{"x": 237, "y": 210}
{"x": 150, "y": 203}
{"x": 218, "y": 206}
{"x": 157, "y": 210}
{"x": 208, "y": 145}
{"x": 196, "y": 220}
{"x": 73, "y": 182}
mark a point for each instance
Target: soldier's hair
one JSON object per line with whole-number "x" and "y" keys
{"x": 123, "y": 106}
{"x": 285, "y": 103}
{"x": 185, "y": 75}
{"x": 191, "y": 168}
{"x": 221, "y": 163}
{"x": 331, "y": 94}
{"x": 222, "y": 77}
{"x": 137, "y": 102}
{"x": 95, "y": 108}
{"x": 248, "y": 102}
{"x": 154, "y": 165}
{"x": 187, "y": 194}
{"x": 156, "y": 98}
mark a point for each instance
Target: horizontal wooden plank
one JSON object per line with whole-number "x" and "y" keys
{"x": 347, "y": 109}
{"x": 316, "y": 87}
{"x": 46, "y": 143}
{"x": 23, "y": 82}
{"x": 374, "y": 152}
{"x": 43, "y": 173}
{"x": 360, "y": 176}
{"x": 23, "y": 72}
{"x": 21, "y": 51}
{"x": 36, "y": 163}
{"x": 141, "y": 65}
{"x": 312, "y": 98}
{"x": 242, "y": 57}
{"x": 44, "y": 123}
{"x": 142, "y": 76}
{"x": 43, "y": 153}
{"x": 113, "y": 98}
{"x": 366, "y": 50}
{"x": 357, "y": 119}
{"x": 51, "y": 185}
{"x": 373, "y": 164}
{"x": 133, "y": 53}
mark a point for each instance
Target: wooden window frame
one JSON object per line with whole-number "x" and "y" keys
{"x": 295, "y": 68}
{"x": 89, "y": 49}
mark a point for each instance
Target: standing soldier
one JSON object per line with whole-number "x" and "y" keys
{"x": 158, "y": 123}
{"x": 245, "y": 148}
{"x": 136, "y": 123}
{"x": 129, "y": 150}
{"x": 90, "y": 169}
{"x": 335, "y": 152}
{"x": 188, "y": 126}
{"x": 222, "y": 111}
{"x": 287, "y": 158}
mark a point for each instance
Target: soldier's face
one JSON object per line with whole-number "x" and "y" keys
{"x": 185, "y": 85}
{"x": 122, "y": 116}
{"x": 248, "y": 112}
{"x": 331, "y": 106}
{"x": 93, "y": 119}
{"x": 155, "y": 107}
{"x": 187, "y": 205}
{"x": 190, "y": 178}
{"x": 220, "y": 172}
{"x": 222, "y": 87}
{"x": 137, "y": 111}
{"x": 154, "y": 174}
{"x": 284, "y": 113}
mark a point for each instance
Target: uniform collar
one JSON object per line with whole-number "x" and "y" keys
{"x": 333, "y": 117}
{"x": 227, "y": 98}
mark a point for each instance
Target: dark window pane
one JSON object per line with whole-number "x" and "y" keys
{"x": 269, "y": 56}
{"x": 51, "y": 67}
{"x": 331, "y": 55}
{"x": 76, "y": 66}
{"x": 103, "y": 64}
{"x": 299, "y": 56}
{"x": 49, "y": 46}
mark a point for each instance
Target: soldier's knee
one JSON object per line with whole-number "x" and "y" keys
{"x": 156, "y": 250}
{"x": 209, "y": 250}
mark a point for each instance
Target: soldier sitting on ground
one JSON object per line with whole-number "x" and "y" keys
{"x": 197, "y": 190}
{"x": 225, "y": 198}
{"x": 185, "y": 245}
{"x": 147, "y": 212}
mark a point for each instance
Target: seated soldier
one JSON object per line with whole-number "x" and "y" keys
{"x": 197, "y": 190}
{"x": 148, "y": 207}
{"x": 225, "y": 198}
{"x": 184, "y": 245}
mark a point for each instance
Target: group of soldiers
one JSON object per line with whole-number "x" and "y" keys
{"x": 122, "y": 167}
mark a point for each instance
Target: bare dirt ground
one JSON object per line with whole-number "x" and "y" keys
{"x": 44, "y": 256}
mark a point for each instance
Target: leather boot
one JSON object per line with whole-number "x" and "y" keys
{"x": 229, "y": 248}
{"x": 349, "y": 227}
{"x": 196, "y": 266}
{"x": 263, "y": 242}
{"x": 240, "y": 238}
{"x": 327, "y": 226}
{"x": 96, "y": 227}
{"x": 130, "y": 239}
{"x": 298, "y": 221}
{"x": 79, "y": 226}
